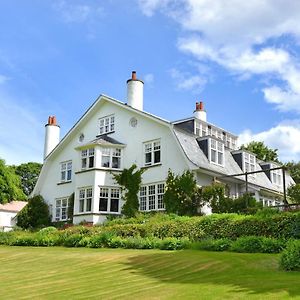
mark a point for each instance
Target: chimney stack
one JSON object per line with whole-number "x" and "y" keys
{"x": 199, "y": 112}
{"x": 52, "y": 131}
{"x": 135, "y": 90}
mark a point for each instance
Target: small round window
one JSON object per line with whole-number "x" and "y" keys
{"x": 133, "y": 122}
{"x": 81, "y": 137}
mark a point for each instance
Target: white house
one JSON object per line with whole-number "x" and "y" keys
{"x": 8, "y": 213}
{"x": 112, "y": 135}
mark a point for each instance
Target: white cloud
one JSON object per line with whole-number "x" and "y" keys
{"x": 244, "y": 38}
{"x": 285, "y": 137}
{"x": 186, "y": 81}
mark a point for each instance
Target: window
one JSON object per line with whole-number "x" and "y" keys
{"x": 66, "y": 171}
{"x": 151, "y": 197}
{"x": 85, "y": 199}
{"x": 87, "y": 158}
{"x": 216, "y": 153}
{"x": 152, "y": 153}
{"x": 109, "y": 200}
{"x": 249, "y": 162}
{"x": 107, "y": 124}
{"x": 111, "y": 158}
{"x": 276, "y": 176}
{"x": 61, "y": 209}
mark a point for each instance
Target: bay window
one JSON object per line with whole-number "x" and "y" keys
{"x": 87, "y": 158}
{"x": 85, "y": 199}
{"x": 111, "y": 158}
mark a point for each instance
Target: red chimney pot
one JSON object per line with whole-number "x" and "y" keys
{"x": 133, "y": 76}
{"x": 201, "y": 105}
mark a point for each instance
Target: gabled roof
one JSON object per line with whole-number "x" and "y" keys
{"x": 13, "y": 206}
{"x": 101, "y": 99}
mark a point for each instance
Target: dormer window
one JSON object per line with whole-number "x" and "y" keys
{"x": 248, "y": 162}
{"x": 107, "y": 124}
{"x": 216, "y": 152}
{"x": 276, "y": 176}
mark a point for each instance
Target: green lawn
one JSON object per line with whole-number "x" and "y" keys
{"x": 82, "y": 273}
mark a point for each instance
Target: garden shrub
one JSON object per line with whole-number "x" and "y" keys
{"x": 253, "y": 244}
{"x": 47, "y": 230}
{"x": 174, "y": 244}
{"x": 73, "y": 240}
{"x": 213, "y": 245}
{"x": 290, "y": 257}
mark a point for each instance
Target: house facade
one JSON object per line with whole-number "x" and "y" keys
{"x": 113, "y": 135}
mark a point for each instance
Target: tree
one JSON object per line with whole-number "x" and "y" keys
{"x": 182, "y": 195}
{"x": 262, "y": 151}
{"x": 294, "y": 193}
{"x": 294, "y": 169}
{"x": 10, "y": 185}
{"x": 35, "y": 214}
{"x": 215, "y": 195}
{"x": 29, "y": 173}
{"x": 130, "y": 182}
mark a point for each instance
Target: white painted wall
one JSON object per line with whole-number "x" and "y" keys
{"x": 133, "y": 153}
{"x": 6, "y": 220}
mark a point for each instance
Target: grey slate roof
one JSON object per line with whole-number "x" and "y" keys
{"x": 194, "y": 153}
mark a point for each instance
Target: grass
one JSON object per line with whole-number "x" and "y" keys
{"x": 81, "y": 273}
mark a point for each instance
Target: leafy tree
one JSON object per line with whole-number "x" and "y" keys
{"x": 29, "y": 173}
{"x": 262, "y": 151}
{"x": 35, "y": 214}
{"x": 294, "y": 193}
{"x": 10, "y": 185}
{"x": 294, "y": 169}
{"x": 215, "y": 195}
{"x": 130, "y": 182}
{"x": 182, "y": 195}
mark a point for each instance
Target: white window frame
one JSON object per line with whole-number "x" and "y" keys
{"x": 66, "y": 171}
{"x": 88, "y": 156}
{"x": 249, "y": 163}
{"x": 107, "y": 124}
{"x": 85, "y": 199}
{"x": 151, "y": 148}
{"x": 218, "y": 148}
{"x": 109, "y": 193}
{"x": 276, "y": 176}
{"x": 111, "y": 154}
{"x": 61, "y": 209}
{"x": 151, "y": 197}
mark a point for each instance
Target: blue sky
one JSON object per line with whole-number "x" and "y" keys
{"x": 241, "y": 59}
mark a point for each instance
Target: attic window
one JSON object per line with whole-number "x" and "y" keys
{"x": 216, "y": 152}
{"x": 248, "y": 162}
{"x": 276, "y": 176}
{"x": 106, "y": 124}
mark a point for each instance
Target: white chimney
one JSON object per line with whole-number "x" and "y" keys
{"x": 52, "y": 131}
{"x": 135, "y": 90}
{"x": 200, "y": 113}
